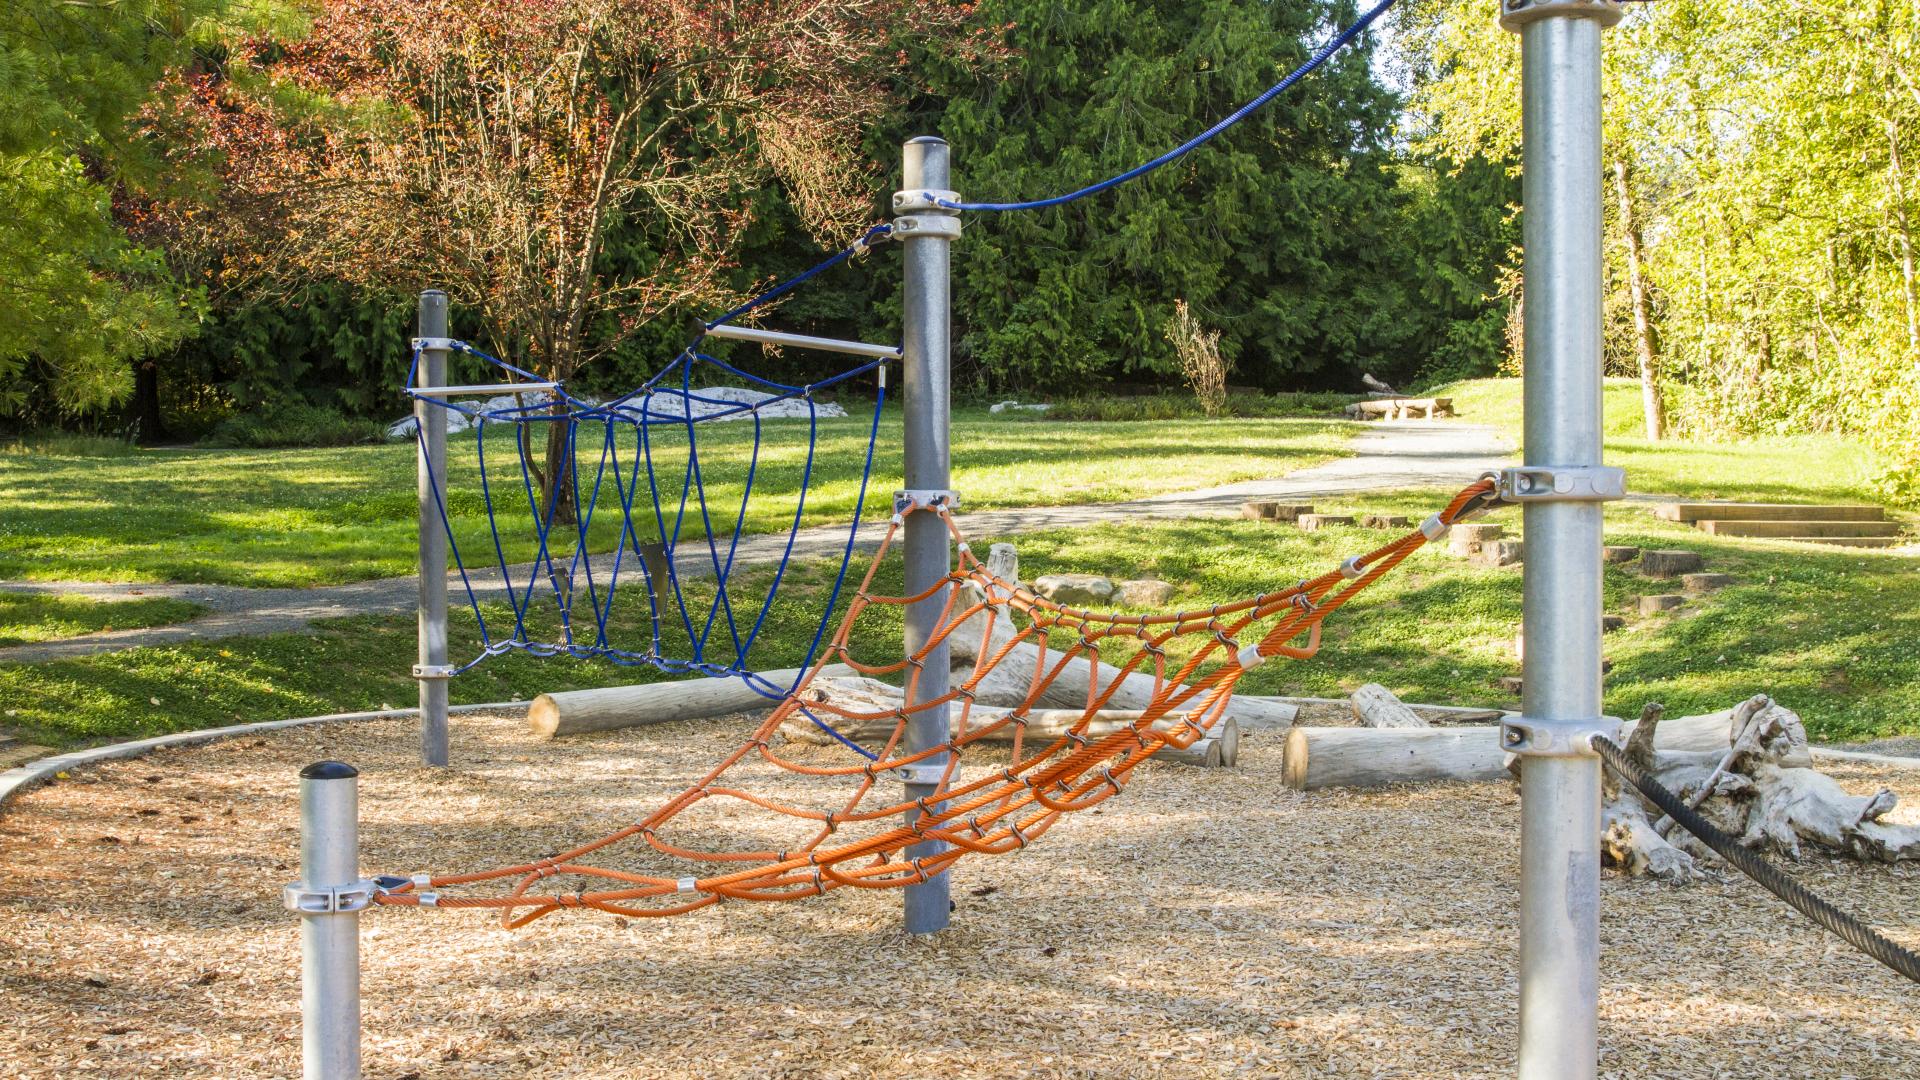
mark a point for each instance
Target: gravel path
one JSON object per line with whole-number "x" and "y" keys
{"x": 1387, "y": 455}
{"x": 1206, "y": 923}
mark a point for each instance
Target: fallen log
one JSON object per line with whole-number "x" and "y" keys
{"x": 1375, "y": 706}
{"x": 1318, "y": 757}
{"x": 575, "y": 712}
{"x": 1043, "y": 725}
{"x": 1322, "y": 757}
{"x": 1009, "y": 683}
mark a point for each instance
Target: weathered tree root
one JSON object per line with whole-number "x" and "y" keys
{"x": 1762, "y": 788}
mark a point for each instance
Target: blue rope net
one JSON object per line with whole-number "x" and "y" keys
{"x": 638, "y": 475}
{"x": 644, "y": 513}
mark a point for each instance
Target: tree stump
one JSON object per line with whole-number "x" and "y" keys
{"x": 1666, "y": 564}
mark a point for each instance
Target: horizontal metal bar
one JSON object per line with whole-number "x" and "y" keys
{"x": 802, "y": 341}
{"x": 486, "y": 388}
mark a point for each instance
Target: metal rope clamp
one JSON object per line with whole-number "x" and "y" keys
{"x": 1561, "y": 483}
{"x": 433, "y": 671}
{"x": 447, "y": 343}
{"x": 1525, "y": 736}
{"x": 341, "y": 898}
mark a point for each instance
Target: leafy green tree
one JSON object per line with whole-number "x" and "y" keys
{"x": 78, "y": 301}
{"x": 1274, "y": 233}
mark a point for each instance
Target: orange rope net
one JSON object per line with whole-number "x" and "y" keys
{"x": 979, "y": 807}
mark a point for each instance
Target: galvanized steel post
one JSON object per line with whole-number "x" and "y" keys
{"x": 1560, "y": 774}
{"x": 329, "y": 898}
{"x": 431, "y": 666}
{"x": 926, "y": 232}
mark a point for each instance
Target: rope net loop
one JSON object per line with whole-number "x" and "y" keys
{"x": 784, "y": 820}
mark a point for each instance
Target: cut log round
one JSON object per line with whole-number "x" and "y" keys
{"x": 573, "y": 712}
{"x": 1375, "y": 706}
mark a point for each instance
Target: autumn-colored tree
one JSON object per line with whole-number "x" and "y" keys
{"x": 487, "y": 147}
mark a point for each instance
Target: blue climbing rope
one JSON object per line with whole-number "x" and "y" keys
{"x": 1319, "y": 57}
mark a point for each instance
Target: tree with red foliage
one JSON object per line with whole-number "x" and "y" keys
{"x": 487, "y": 146}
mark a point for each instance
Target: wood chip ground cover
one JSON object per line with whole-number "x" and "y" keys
{"x": 1205, "y": 923}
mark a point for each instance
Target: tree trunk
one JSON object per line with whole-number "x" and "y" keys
{"x": 1650, "y": 400}
{"x": 144, "y": 411}
{"x": 1903, "y": 234}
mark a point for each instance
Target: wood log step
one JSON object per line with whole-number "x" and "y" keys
{"x": 1799, "y": 528}
{"x": 1701, "y": 511}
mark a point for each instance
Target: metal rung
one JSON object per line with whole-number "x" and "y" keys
{"x": 802, "y": 341}
{"x": 488, "y": 388}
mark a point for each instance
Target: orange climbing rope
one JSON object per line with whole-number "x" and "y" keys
{"x": 979, "y": 807}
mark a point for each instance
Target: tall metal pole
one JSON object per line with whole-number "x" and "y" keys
{"x": 431, "y": 667}
{"x": 927, "y": 233}
{"x": 329, "y": 898}
{"x": 1560, "y": 775}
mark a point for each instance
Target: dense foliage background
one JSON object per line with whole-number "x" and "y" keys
{"x": 167, "y": 160}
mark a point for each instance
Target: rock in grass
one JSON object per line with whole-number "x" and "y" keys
{"x": 1653, "y": 605}
{"x": 1610, "y": 623}
{"x": 1143, "y": 592}
{"x": 1669, "y": 563}
{"x": 1702, "y": 583}
{"x": 1074, "y": 588}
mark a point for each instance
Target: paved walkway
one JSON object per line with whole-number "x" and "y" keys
{"x": 1392, "y": 454}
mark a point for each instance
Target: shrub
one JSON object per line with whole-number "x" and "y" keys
{"x": 1182, "y": 407}
{"x": 294, "y": 425}
{"x": 1200, "y": 360}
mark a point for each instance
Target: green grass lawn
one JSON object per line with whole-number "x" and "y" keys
{"x": 324, "y": 516}
{"x": 1778, "y": 468}
{"x": 25, "y": 617}
{"x": 1831, "y": 633}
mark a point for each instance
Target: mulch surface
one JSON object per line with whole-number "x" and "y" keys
{"x": 1205, "y": 923}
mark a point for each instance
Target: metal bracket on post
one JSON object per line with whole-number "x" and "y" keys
{"x": 923, "y": 199}
{"x": 300, "y": 898}
{"x": 909, "y": 500}
{"x": 1562, "y": 483}
{"x": 450, "y": 344}
{"x": 1515, "y": 14}
{"x": 433, "y": 671}
{"x": 926, "y": 225}
{"x": 920, "y": 772}
{"x": 1527, "y": 737}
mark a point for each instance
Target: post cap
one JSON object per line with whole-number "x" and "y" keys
{"x": 329, "y": 770}
{"x": 927, "y": 139}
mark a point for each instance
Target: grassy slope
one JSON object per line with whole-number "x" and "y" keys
{"x": 1778, "y": 468}
{"x": 25, "y": 617}
{"x": 307, "y": 517}
{"x": 1829, "y": 632}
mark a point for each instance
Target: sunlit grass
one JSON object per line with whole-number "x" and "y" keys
{"x": 27, "y": 617}
{"x": 1832, "y": 633}
{"x": 1775, "y": 468}
{"x": 322, "y": 516}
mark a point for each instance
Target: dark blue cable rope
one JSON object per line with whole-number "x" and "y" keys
{"x": 453, "y": 545}
{"x": 1320, "y": 56}
{"x": 866, "y": 240}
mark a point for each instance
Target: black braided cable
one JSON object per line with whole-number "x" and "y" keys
{"x": 1770, "y": 877}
